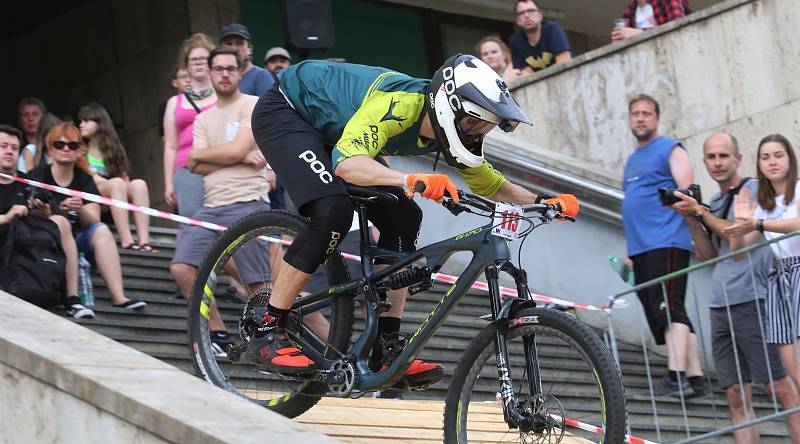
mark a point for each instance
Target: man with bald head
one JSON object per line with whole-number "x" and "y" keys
{"x": 738, "y": 291}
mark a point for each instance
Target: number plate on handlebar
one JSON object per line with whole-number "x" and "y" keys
{"x": 507, "y": 218}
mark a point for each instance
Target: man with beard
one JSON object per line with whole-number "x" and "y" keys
{"x": 659, "y": 243}
{"x": 235, "y": 182}
{"x": 538, "y": 44}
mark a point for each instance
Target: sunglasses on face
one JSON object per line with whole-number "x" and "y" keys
{"x": 60, "y": 144}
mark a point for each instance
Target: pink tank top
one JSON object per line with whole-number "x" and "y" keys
{"x": 184, "y": 122}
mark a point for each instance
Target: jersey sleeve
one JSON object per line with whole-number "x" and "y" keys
{"x": 381, "y": 116}
{"x": 483, "y": 180}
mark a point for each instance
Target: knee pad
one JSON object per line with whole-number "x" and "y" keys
{"x": 330, "y": 219}
{"x": 399, "y": 228}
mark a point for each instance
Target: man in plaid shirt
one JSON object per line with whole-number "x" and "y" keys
{"x": 644, "y": 15}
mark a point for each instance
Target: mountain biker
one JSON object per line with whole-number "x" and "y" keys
{"x": 324, "y": 125}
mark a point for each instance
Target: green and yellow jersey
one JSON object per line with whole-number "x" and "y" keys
{"x": 367, "y": 110}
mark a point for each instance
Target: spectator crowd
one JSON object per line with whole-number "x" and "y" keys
{"x": 214, "y": 171}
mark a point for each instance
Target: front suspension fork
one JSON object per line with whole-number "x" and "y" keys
{"x": 501, "y": 313}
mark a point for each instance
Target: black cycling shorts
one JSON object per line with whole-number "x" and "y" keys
{"x": 295, "y": 150}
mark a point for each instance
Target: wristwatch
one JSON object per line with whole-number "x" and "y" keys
{"x": 760, "y": 225}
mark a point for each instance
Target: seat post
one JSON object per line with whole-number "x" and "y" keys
{"x": 365, "y": 244}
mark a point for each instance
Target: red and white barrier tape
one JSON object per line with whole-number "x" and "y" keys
{"x": 189, "y": 221}
{"x": 599, "y": 430}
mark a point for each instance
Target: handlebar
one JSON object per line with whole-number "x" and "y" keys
{"x": 546, "y": 211}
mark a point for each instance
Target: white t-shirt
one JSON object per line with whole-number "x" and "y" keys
{"x": 645, "y": 19}
{"x": 237, "y": 182}
{"x": 789, "y": 247}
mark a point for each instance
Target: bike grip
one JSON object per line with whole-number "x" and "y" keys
{"x": 568, "y": 204}
{"x": 419, "y": 187}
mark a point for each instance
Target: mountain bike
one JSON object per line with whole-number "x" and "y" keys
{"x": 502, "y": 390}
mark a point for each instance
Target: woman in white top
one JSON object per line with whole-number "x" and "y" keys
{"x": 775, "y": 215}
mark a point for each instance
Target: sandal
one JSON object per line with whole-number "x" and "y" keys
{"x": 132, "y": 246}
{"x": 147, "y": 248}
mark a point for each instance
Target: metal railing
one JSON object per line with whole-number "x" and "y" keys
{"x": 718, "y": 412}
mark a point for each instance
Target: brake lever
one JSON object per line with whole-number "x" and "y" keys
{"x": 453, "y": 207}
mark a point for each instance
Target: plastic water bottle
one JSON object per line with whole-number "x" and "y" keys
{"x": 85, "y": 290}
{"x": 622, "y": 269}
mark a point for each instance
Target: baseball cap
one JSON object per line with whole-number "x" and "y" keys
{"x": 234, "y": 29}
{"x": 277, "y": 51}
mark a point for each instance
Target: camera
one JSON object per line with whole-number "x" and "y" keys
{"x": 667, "y": 198}
{"x": 37, "y": 193}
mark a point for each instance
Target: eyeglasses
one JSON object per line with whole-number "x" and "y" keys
{"x": 60, "y": 144}
{"x": 530, "y": 11}
{"x": 220, "y": 70}
{"x": 198, "y": 60}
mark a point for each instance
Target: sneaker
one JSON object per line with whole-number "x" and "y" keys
{"x": 669, "y": 387}
{"x": 700, "y": 388}
{"x": 419, "y": 375}
{"x": 132, "y": 304}
{"x": 76, "y": 310}
{"x": 220, "y": 341}
{"x": 275, "y": 353}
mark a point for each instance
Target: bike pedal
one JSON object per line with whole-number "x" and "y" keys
{"x": 235, "y": 352}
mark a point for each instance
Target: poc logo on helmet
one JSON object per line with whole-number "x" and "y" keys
{"x": 450, "y": 88}
{"x": 316, "y": 166}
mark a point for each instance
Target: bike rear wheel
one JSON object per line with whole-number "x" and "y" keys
{"x": 287, "y": 396}
{"x": 580, "y": 382}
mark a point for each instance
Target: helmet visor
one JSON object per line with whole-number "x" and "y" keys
{"x": 472, "y": 129}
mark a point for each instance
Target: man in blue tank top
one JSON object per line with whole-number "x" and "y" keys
{"x": 659, "y": 242}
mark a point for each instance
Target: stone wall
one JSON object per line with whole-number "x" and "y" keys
{"x": 730, "y": 67}
{"x": 71, "y": 384}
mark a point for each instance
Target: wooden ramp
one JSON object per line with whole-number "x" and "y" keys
{"x": 377, "y": 421}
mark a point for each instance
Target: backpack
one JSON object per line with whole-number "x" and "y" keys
{"x": 32, "y": 263}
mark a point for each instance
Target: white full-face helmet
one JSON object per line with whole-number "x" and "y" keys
{"x": 466, "y": 99}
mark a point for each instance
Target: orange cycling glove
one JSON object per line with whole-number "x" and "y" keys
{"x": 568, "y": 204}
{"x": 435, "y": 186}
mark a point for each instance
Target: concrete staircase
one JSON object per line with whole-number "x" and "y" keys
{"x": 160, "y": 331}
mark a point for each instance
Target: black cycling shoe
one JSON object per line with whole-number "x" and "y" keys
{"x": 419, "y": 376}
{"x": 273, "y": 352}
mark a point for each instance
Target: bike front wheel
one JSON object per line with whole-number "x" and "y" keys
{"x": 250, "y": 252}
{"x": 578, "y": 390}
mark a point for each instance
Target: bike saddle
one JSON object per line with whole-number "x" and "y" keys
{"x": 369, "y": 193}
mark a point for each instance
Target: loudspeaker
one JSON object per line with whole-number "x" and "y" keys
{"x": 307, "y": 24}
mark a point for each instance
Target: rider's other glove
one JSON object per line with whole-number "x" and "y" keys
{"x": 568, "y": 204}
{"x": 434, "y": 186}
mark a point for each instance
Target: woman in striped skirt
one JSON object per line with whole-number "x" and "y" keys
{"x": 775, "y": 215}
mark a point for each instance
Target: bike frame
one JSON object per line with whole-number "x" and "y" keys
{"x": 491, "y": 254}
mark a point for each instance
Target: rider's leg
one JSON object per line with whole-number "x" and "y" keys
{"x": 399, "y": 225}
{"x": 329, "y": 221}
